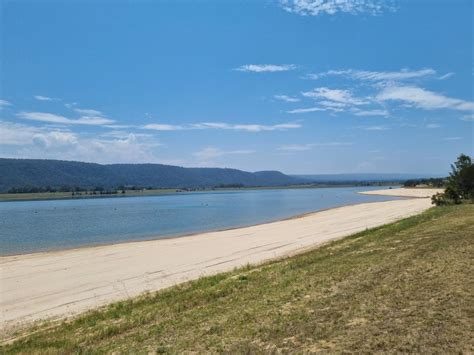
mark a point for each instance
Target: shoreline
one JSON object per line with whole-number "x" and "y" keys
{"x": 178, "y": 236}
{"x": 18, "y": 197}
{"x": 59, "y": 284}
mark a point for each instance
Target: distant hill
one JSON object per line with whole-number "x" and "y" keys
{"x": 349, "y": 178}
{"x": 57, "y": 173}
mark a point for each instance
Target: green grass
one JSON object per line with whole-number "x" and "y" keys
{"x": 404, "y": 287}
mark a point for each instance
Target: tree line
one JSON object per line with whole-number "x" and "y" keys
{"x": 74, "y": 189}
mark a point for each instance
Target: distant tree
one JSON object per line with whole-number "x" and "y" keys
{"x": 460, "y": 183}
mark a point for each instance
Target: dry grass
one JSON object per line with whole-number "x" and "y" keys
{"x": 405, "y": 287}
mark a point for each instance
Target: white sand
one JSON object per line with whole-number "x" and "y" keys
{"x": 59, "y": 284}
{"x": 404, "y": 192}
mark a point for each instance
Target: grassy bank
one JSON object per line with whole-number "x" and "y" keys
{"x": 402, "y": 287}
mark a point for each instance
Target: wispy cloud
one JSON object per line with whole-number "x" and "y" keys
{"x": 164, "y": 127}
{"x": 213, "y": 152}
{"x": 445, "y": 76}
{"x": 44, "y": 98}
{"x": 247, "y": 127}
{"x": 375, "y": 112}
{"x": 309, "y": 146}
{"x": 344, "y": 97}
{"x": 422, "y": 98}
{"x": 53, "y": 118}
{"x": 222, "y": 126}
{"x": 4, "y": 103}
{"x": 70, "y": 105}
{"x": 468, "y": 118}
{"x": 266, "y": 68}
{"x": 306, "y": 110}
{"x": 123, "y": 134}
{"x": 296, "y": 147}
{"x": 367, "y": 75}
{"x": 332, "y": 7}
{"x": 376, "y": 128}
{"x": 433, "y": 125}
{"x": 452, "y": 138}
{"x": 88, "y": 112}
{"x": 286, "y": 98}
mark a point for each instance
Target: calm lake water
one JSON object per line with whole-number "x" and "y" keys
{"x": 31, "y": 226}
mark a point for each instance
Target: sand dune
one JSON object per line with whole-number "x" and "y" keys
{"x": 58, "y": 284}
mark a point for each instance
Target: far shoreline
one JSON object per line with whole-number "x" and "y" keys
{"x": 55, "y": 196}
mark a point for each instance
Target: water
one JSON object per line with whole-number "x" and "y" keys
{"x": 31, "y": 226}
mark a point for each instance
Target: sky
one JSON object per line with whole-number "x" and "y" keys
{"x": 300, "y": 86}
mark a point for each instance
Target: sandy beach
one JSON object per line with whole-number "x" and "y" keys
{"x": 402, "y": 192}
{"x": 63, "y": 283}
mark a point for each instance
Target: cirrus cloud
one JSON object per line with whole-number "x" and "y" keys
{"x": 266, "y": 68}
{"x": 53, "y": 118}
{"x": 332, "y": 7}
{"x": 422, "y": 98}
{"x": 222, "y": 126}
{"x": 4, "y": 103}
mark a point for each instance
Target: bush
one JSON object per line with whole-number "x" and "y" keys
{"x": 460, "y": 183}
{"x": 440, "y": 199}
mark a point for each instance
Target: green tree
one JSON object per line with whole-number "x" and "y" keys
{"x": 460, "y": 184}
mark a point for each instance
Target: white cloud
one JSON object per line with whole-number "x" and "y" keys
{"x": 247, "y": 127}
{"x": 95, "y": 121}
{"x": 452, "y": 138}
{"x": 210, "y": 153}
{"x": 433, "y": 125}
{"x": 344, "y": 97}
{"x": 445, "y": 76}
{"x": 123, "y": 134}
{"x": 375, "y": 112}
{"x": 309, "y": 146}
{"x": 332, "y": 7}
{"x": 222, "y": 126}
{"x": 422, "y": 98}
{"x": 71, "y": 105}
{"x": 88, "y": 112}
{"x": 4, "y": 103}
{"x": 332, "y": 104}
{"x": 306, "y": 110}
{"x": 376, "y": 128}
{"x": 16, "y": 134}
{"x": 120, "y": 126}
{"x": 53, "y": 118}
{"x": 163, "y": 127}
{"x": 394, "y": 75}
{"x": 286, "y": 98}
{"x": 367, "y": 75}
{"x": 55, "y": 139}
{"x": 264, "y": 68}
{"x": 44, "y": 117}
{"x": 296, "y": 147}
{"x": 46, "y": 143}
{"x": 468, "y": 118}
{"x": 44, "y": 98}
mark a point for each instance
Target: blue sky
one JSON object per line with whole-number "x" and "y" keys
{"x": 306, "y": 86}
